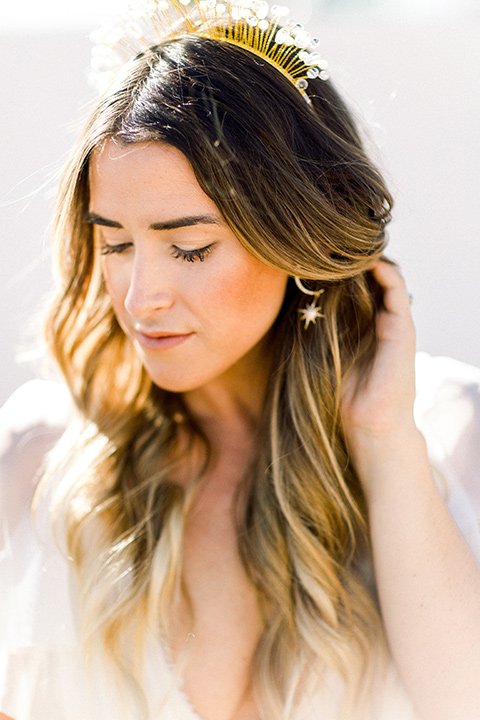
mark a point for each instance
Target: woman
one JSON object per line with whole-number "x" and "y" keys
{"x": 240, "y": 447}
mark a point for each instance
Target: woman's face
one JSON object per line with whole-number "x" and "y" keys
{"x": 195, "y": 303}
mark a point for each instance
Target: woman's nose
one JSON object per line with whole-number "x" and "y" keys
{"x": 150, "y": 289}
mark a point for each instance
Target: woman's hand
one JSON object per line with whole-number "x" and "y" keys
{"x": 377, "y": 409}
{"x": 427, "y": 579}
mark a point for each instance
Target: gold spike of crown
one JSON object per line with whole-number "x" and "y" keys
{"x": 251, "y": 24}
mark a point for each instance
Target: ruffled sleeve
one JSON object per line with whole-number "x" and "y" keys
{"x": 35, "y": 609}
{"x": 42, "y": 670}
{"x": 447, "y": 411}
{"x": 31, "y": 422}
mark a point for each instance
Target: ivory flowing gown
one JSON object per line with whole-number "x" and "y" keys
{"x": 42, "y": 676}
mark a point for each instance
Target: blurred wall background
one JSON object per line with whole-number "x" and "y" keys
{"x": 409, "y": 68}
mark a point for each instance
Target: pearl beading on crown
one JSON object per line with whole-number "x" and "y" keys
{"x": 252, "y": 24}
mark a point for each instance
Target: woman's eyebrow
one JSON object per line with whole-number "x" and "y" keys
{"x": 94, "y": 219}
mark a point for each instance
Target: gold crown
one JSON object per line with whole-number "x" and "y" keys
{"x": 250, "y": 24}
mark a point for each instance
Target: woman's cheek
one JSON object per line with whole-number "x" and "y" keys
{"x": 116, "y": 285}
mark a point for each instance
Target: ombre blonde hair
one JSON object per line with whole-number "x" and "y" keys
{"x": 295, "y": 185}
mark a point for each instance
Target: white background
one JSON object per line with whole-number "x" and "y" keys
{"x": 410, "y": 69}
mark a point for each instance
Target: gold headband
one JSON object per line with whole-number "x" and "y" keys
{"x": 250, "y": 24}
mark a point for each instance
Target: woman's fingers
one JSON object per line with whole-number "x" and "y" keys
{"x": 381, "y": 400}
{"x": 395, "y": 295}
{"x": 394, "y": 320}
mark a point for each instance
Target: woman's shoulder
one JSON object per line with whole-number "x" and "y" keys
{"x": 447, "y": 411}
{"x": 444, "y": 376}
{"x": 447, "y": 404}
{"x": 36, "y": 403}
{"x": 31, "y": 422}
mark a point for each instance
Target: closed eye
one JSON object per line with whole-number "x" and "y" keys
{"x": 192, "y": 255}
{"x": 106, "y": 249}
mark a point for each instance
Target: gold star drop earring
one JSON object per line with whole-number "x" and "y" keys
{"x": 310, "y": 313}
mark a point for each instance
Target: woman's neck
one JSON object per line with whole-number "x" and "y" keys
{"x": 228, "y": 408}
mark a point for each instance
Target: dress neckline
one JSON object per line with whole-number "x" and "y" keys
{"x": 172, "y": 696}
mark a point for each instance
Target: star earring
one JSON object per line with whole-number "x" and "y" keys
{"x": 310, "y": 313}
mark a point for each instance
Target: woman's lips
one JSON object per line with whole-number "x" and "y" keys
{"x": 160, "y": 340}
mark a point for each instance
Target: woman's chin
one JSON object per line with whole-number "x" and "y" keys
{"x": 177, "y": 384}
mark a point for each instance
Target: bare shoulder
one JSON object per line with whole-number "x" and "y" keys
{"x": 31, "y": 422}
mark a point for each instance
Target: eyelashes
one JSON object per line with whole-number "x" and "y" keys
{"x": 178, "y": 253}
{"x": 106, "y": 249}
{"x": 192, "y": 255}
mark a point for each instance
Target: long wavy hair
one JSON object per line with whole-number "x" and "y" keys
{"x": 293, "y": 182}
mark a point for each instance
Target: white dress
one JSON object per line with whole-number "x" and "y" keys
{"x": 41, "y": 672}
